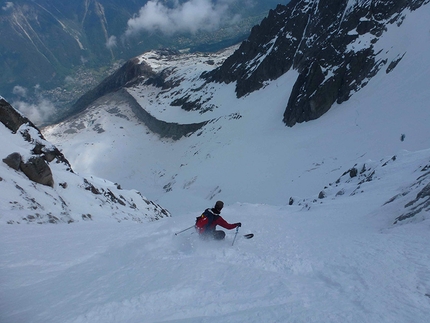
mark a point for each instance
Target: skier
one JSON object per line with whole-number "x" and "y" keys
{"x": 207, "y": 222}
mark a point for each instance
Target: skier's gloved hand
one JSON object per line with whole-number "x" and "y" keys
{"x": 238, "y": 224}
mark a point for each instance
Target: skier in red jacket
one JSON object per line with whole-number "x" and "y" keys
{"x": 207, "y": 222}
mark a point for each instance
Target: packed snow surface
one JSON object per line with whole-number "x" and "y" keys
{"x": 334, "y": 263}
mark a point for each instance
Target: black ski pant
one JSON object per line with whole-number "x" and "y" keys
{"x": 216, "y": 235}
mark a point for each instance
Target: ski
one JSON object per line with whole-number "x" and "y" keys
{"x": 248, "y": 236}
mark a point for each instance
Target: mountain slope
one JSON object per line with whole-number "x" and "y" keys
{"x": 38, "y": 184}
{"x": 339, "y": 260}
{"x": 244, "y": 152}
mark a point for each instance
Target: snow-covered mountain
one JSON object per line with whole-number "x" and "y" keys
{"x": 52, "y": 44}
{"x": 38, "y": 184}
{"x": 335, "y": 47}
{"x": 339, "y": 205}
{"x": 178, "y": 135}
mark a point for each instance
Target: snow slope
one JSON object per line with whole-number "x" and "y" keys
{"x": 245, "y": 153}
{"x": 71, "y": 197}
{"x": 337, "y": 258}
{"x": 340, "y": 261}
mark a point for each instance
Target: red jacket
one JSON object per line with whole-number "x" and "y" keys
{"x": 215, "y": 219}
{"x": 218, "y": 220}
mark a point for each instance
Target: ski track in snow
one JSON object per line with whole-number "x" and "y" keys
{"x": 323, "y": 265}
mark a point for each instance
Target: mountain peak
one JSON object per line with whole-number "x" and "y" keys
{"x": 331, "y": 45}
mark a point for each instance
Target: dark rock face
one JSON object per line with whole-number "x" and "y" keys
{"x": 13, "y": 160}
{"x": 314, "y": 38}
{"x": 37, "y": 170}
{"x": 11, "y": 118}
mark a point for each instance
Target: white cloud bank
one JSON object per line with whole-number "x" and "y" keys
{"x": 38, "y": 111}
{"x": 188, "y": 17}
{"x": 111, "y": 42}
{"x": 7, "y": 6}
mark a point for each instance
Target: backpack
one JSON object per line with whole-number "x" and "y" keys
{"x": 202, "y": 223}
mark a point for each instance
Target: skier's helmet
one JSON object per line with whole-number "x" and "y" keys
{"x": 219, "y": 205}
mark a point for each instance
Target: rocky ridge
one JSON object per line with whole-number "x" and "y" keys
{"x": 330, "y": 43}
{"x": 172, "y": 76}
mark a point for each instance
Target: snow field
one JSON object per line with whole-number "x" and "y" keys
{"x": 333, "y": 263}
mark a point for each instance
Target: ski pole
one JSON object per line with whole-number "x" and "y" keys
{"x": 237, "y": 230}
{"x": 184, "y": 230}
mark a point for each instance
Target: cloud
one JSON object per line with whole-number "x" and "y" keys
{"x": 39, "y": 111}
{"x": 111, "y": 43}
{"x": 188, "y": 17}
{"x": 7, "y": 6}
{"x": 20, "y": 91}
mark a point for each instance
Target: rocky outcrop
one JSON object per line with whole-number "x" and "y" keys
{"x": 11, "y": 118}
{"x": 13, "y": 160}
{"x": 36, "y": 168}
{"x": 421, "y": 202}
{"x": 317, "y": 39}
{"x": 411, "y": 204}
